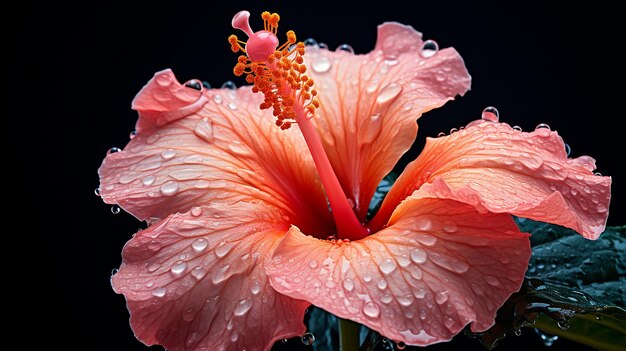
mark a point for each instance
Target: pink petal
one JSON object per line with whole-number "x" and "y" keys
{"x": 499, "y": 169}
{"x": 438, "y": 266}
{"x": 369, "y": 103}
{"x": 196, "y": 281}
{"x": 225, "y": 150}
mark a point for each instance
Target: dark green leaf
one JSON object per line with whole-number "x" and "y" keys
{"x": 381, "y": 191}
{"x": 575, "y": 288}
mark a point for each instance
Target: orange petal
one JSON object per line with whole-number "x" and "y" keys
{"x": 439, "y": 265}
{"x": 196, "y": 281}
{"x": 369, "y": 103}
{"x": 499, "y": 169}
{"x": 225, "y": 149}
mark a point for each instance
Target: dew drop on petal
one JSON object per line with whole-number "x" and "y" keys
{"x": 115, "y": 209}
{"x": 348, "y": 284}
{"x": 541, "y": 126}
{"x": 223, "y": 248}
{"x": 159, "y": 292}
{"x": 308, "y": 338}
{"x": 178, "y": 267}
{"x": 345, "y": 48}
{"x": 198, "y": 273}
{"x": 371, "y": 309}
{"x": 387, "y": 266}
{"x": 242, "y": 307}
{"x": 218, "y": 99}
{"x": 400, "y": 345}
{"x": 388, "y": 93}
{"x": 229, "y": 85}
{"x": 194, "y": 84}
{"x": 386, "y": 298}
{"x": 321, "y": 64}
{"x": 310, "y": 42}
{"x": 313, "y": 264}
{"x": 169, "y": 188}
{"x": 382, "y": 284}
{"x": 429, "y": 48}
{"x": 493, "y": 281}
{"x": 147, "y": 181}
{"x": 97, "y": 191}
{"x": 517, "y": 128}
{"x": 153, "y": 267}
{"x": 196, "y": 211}
{"x": 450, "y": 227}
{"x": 255, "y": 288}
{"x": 114, "y": 150}
{"x": 568, "y": 149}
{"x": 441, "y": 134}
{"x": 168, "y": 154}
{"x": 418, "y": 255}
{"x": 441, "y": 297}
{"x": 199, "y": 244}
{"x": 232, "y": 105}
{"x": 491, "y": 114}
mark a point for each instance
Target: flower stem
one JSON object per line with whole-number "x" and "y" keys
{"x": 348, "y": 335}
{"x": 348, "y": 225}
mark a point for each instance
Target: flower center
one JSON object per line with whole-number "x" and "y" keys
{"x": 280, "y": 74}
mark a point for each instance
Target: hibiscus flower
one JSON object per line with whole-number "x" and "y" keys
{"x": 250, "y": 224}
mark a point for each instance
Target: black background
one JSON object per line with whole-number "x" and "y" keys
{"x": 75, "y": 70}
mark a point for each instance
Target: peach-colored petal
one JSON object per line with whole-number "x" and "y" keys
{"x": 196, "y": 281}
{"x": 499, "y": 169}
{"x": 225, "y": 149}
{"x": 438, "y": 266}
{"x": 369, "y": 103}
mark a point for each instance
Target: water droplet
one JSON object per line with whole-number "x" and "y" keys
{"x": 132, "y": 134}
{"x": 442, "y": 297}
{"x": 284, "y": 341}
{"x": 598, "y": 174}
{"x": 491, "y": 280}
{"x": 548, "y": 339}
{"x": 441, "y": 134}
{"x": 169, "y": 188}
{"x": 518, "y": 128}
{"x": 564, "y": 325}
{"x": 232, "y": 105}
{"x": 323, "y": 45}
{"x": 114, "y": 150}
{"x": 400, "y": 345}
{"x": 346, "y": 48}
{"x": 429, "y": 48}
{"x": 115, "y": 209}
{"x": 313, "y": 264}
{"x": 371, "y": 309}
{"x": 255, "y": 288}
{"x": 196, "y": 211}
{"x": 229, "y": 85}
{"x": 348, "y": 284}
{"x": 200, "y": 244}
{"x": 440, "y": 76}
{"x": 194, "y": 84}
{"x": 388, "y": 265}
{"x": 568, "y": 149}
{"x": 308, "y": 338}
{"x": 541, "y": 126}
{"x": 153, "y": 267}
{"x": 242, "y": 307}
{"x": 223, "y": 249}
{"x": 426, "y": 239}
{"x": 418, "y": 255}
{"x": 386, "y": 298}
{"x": 168, "y": 154}
{"x": 206, "y": 85}
{"x": 178, "y": 267}
{"x": 420, "y": 293}
{"x": 321, "y": 64}
{"x": 450, "y": 227}
{"x": 188, "y": 315}
{"x": 598, "y": 318}
{"x": 518, "y": 332}
{"x": 97, "y": 191}
{"x": 164, "y": 80}
{"x": 147, "y": 181}
{"x": 405, "y": 300}
{"x": 159, "y": 292}
{"x": 391, "y": 62}
{"x": 453, "y": 130}
{"x": 491, "y": 114}
{"x": 382, "y": 284}
{"x": 310, "y": 42}
{"x": 388, "y": 93}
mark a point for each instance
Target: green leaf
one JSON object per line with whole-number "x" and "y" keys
{"x": 381, "y": 191}
{"x": 575, "y": 288}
